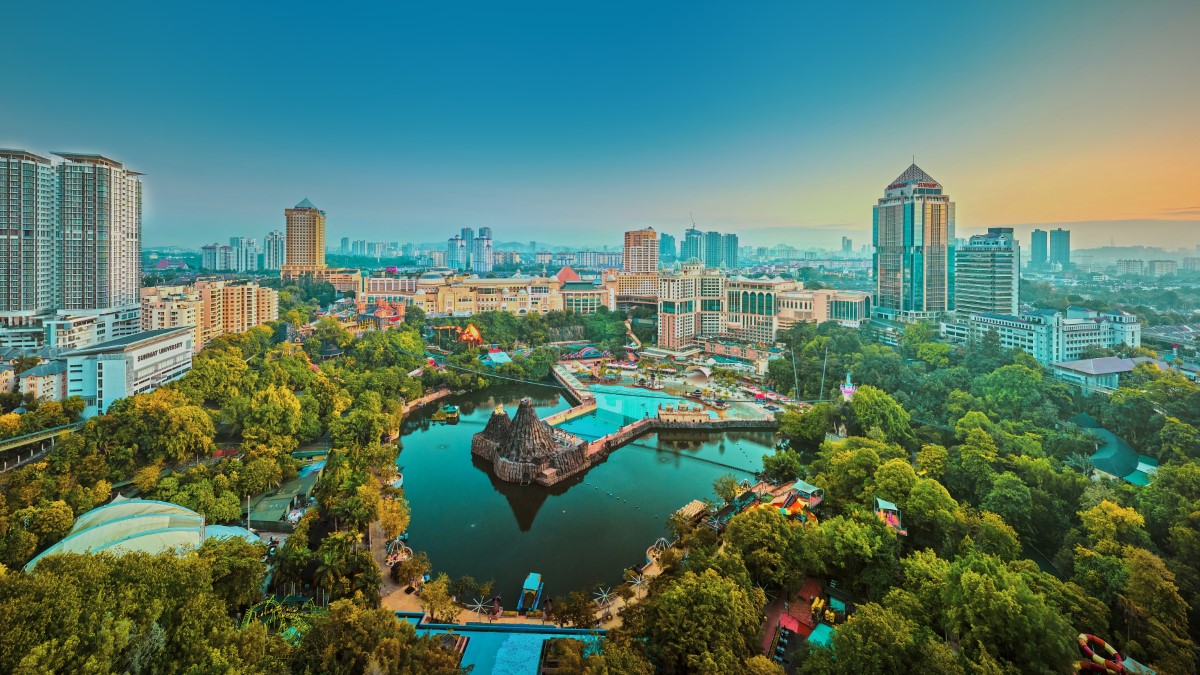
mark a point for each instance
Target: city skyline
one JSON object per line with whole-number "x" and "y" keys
{"x": 635, "y": 123}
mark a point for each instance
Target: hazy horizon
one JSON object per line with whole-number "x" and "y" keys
{"x": 562, "y": 124}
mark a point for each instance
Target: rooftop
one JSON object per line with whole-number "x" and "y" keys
{"x": 137, "y": 339}
{"x": 51, "y": 368}
{"x": 913, "y": 174}
{"x": 306, "y": 204}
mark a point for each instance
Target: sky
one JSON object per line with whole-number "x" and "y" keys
{"x": 570, "y": 122}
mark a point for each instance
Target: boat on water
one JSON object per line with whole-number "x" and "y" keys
{"x": 531, "y": 593}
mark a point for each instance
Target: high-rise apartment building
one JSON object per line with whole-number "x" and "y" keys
{"x": 667, "y": 249}
{"x": 344, "y": 249}
{"x": 456, "y": 253}
{"x": 305, "y": 239}
{"x": 641, "y": 251}
{"x": 690, "y": 303}
{"x": 912, "y": 227}
{"x": 246, "y": 253}
{"x": 482, "y": 258}
{"x": 693, "y": 245}
{"x": 274, "y": 250}
{"x": 1060, "y": 248}
{"x": 468, "y": 236}
{"x": 847, "y": 246}
{"x": 101, "y": 209}
{"x": 29, "y": 242}
{"x": 713, "y": 250}
{"x": 729, "y": 251}
{"x": 1038, "y": 249}
{"x": 987, "y": 274}
{"x": 211, "y": 307}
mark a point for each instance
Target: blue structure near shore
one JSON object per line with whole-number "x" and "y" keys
{"x": 501, "y": 649}
{"x": 1116, "y": 457}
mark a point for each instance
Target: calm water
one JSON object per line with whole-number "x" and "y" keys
{"x": 576, "y": 534}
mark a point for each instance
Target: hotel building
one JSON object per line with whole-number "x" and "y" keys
{"x": 912, "y": 231}
{"x": 641, "y": 251}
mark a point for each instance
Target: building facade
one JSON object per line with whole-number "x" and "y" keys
{"x": 29, "y": 235}
{"x": 692, "y": 246}
{"x": 1060, "y": 248}
{"x": 641, "y": 251}
{"x": 210, "y": 307}
{"x": 1038, "y": 250}
{"x": 1050, "y": 336}
{"x": 667, "y": 249}
{"x": 912, "y": 231}
{"x": 136, "y": 364}
{"x": 482, "y": 259}
{"x": 988, "y": 273}
{"x": 305, "y": 246}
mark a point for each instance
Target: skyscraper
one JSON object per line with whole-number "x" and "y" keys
{"x": 693, "y": 245}
{"x": 987, "y": 274}
{"x": 482, "y": 258}
{"x": 912, "y": 227}
{"x": 667, "y": 251}
{"x": 245, "y": 253}
{"x": 274, "y": 249}
{"x": 468, "y": 237}
{"x": 641, "y": 251}
{"x": 101, "y": 210}
{"x": 344, "y": 249}
{"x": 713, "y": 250}
{"x": 456, "y": 253}
{"x": 29, "y": 227}
{"x": 305, "y": 251}
{"x": 729, "y": 251}
{"x": 1060, "y": 248}
{"x": 847, "y": 246}
{"x": 1037, "y": 250}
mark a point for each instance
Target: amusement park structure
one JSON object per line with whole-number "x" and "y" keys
{"x": 527, "y": 450}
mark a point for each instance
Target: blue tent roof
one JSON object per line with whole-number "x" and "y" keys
{"x": 532, "y": 582}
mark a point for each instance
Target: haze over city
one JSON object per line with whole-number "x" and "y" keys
{"x": 782, "y": 125}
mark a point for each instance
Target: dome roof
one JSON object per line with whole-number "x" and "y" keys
{"x": 126, "y": 525}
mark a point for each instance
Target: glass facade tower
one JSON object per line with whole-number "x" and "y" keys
{"x": 913, "y": 235}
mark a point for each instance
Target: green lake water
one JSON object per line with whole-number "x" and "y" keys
{"x": 580, "y": 532}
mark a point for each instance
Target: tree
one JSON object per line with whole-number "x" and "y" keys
{"x": 767, "y": 541}
{"x": 437, "y": 600}
{"x": 931, "y": 461}
{"x": 879, "y": 640}
{"x": 350, "y": 639}
{"x": 996, "y": 616}
{"x": 807, "y": 427}
{"x": 1010, "y": 498}
{"x": 1159, "y": 614}
{"x": 700, "y": 623}
{"x": 726, "y": 488}
{"x": 577, "y": 609}
{"x": 393, "y": 516}
{"x": 861, "y": 552}
{"x": 784, "y": 466}
{"x": 873, "y": 408}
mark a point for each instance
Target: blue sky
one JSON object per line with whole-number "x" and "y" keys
{"x": 570, "y": 122}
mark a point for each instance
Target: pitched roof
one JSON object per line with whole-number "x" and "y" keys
{"x": 914, "y": 174}
{"x": 567, "y": 274}
{"x": 305, "y": 204}
{"x": 50, "y": 368}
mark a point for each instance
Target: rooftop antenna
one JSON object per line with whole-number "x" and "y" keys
{"x": 693, "y": 218}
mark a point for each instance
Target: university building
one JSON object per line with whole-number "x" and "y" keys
{"x": 1048, "y": 335}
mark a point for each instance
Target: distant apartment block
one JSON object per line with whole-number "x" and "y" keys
{"x": 1128, "y": 266}
{"x": 275, "y": 251}
{"x": 1161, "y": 268}
{"x": 641, "y": 251}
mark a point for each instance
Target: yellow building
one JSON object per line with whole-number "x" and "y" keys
{"x": 213, "y": 307}
{"x": 305, "y": 246}
{"x": 448, "y": 295}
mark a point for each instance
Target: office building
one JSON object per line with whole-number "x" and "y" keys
{"x": 988, "y": 274}
{"x": 714, "y": 250}
{"x": 344, "y": 249}
{"x": 1038, "y": 250}
{"x": 847, "y": 246}
{"x": 693, "y": 245}
{"x": 912, "y": 227}
{"x": 135, "y": 364}
{"x": 667, "y": 249}
{"x": 1060, "y": 248}
{"x": 729, "y": 251}
{"x": 1050, "y": 336}
{"x": 305, "y": 251}
{"x": 468, "y": 237}
{"x": 274, "y": 251}
{"x": 641, "y": 251}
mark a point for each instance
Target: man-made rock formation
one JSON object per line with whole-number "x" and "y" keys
{"x": 527, "y": 450}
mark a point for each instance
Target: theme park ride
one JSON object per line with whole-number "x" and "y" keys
{"x": 469, "y": 335}
{"x": 531, "y": 593}
{"x": 889, "y": 513}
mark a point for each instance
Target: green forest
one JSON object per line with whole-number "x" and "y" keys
{"x": 1012, "y": 549}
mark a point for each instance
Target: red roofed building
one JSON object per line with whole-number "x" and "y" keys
{"x": 567, "y": 274}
